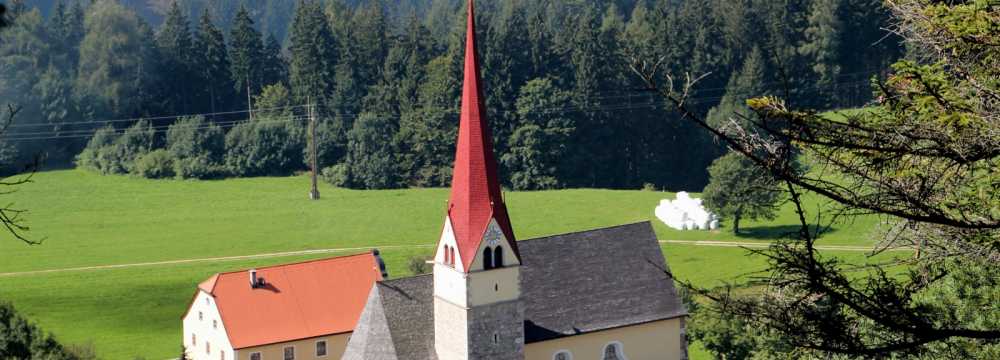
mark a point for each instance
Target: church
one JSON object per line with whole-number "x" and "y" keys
{"x": 602, "y": 294}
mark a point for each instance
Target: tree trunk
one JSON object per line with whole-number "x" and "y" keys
{"x": 736, "y": 224}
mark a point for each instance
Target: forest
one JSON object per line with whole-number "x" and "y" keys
{"x": 209, "y": 89}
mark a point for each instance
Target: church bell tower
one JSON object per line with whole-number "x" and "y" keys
{"x": 478, "y": 313}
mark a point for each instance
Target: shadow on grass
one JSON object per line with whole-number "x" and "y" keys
{"x": 776, "y": 232}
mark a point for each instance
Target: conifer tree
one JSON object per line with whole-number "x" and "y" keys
{"x": 175, "y": 46}
{"x": 822, "y": 48}
{"x": 744, "y": 84}
{"x": 313, "y": 54}
{"x": 274, "y": 67}
{"x": 246, "y": 52}
{"x": 213, "y": 65}
{"x": 535, "y": 158}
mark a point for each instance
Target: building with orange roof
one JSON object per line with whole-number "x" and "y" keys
{"x": 306, "y": 310}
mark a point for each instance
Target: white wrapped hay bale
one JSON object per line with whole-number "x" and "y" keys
{"x": 686, "y": 213}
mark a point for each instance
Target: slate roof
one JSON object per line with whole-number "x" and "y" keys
{"x": 571, "y": 284}
{"x": 595, "y": 280}
{"x": 395, "y": 323}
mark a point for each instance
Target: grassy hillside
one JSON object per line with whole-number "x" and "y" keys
{"x": 92, "y": 220}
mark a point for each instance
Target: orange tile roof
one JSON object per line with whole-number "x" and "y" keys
{"x": 297, "y": 301}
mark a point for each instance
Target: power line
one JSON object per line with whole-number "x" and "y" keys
{"x": 652, "y": 101}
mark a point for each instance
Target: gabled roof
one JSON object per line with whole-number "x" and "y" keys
{"x": 595, "y": 280}
{"x": 571, "y": 284}
{"x": 297, "y": 301}
{"x": 475, "y": 187}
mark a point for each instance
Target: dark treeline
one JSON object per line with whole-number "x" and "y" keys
{"x": 565, "y": 108}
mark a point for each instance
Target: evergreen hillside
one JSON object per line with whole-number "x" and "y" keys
{"x": 566, "y": 110}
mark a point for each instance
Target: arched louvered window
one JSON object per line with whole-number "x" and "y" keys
{"x": 487, "y": 258}
{"x": 447, "y": 255}
{"x": 451, "y": 251}
{"x": 498, "y": 257}
{"x": 613, "y": 351}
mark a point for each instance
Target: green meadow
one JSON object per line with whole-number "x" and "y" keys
{"x": 91, "y": 220}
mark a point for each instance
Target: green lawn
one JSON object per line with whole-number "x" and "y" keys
{"x": 88, "y": 219}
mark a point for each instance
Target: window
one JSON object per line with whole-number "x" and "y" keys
{"x": 194, "y": 340}
{"x": 451, "y": 251}
{"x": 321, "y": 348}
{"x": 498, "y": 257}
{"x": 496, "y": 338}
{"x": 562, "y": 355}
{"x": 222, "y": 355}
{"x": 215, "y": 324}
{"x": 613, "y": 351}
{"x": 255, "y": 356}
{"x": 487, "y": 258}
{"x": 201, "y": 316}
{"x": 290, "y": 353}
{"x": 208, "y": 347}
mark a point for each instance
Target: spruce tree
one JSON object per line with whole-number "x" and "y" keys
{"x": 313, "y": 54}
{"x": 213, "y": 65}
{"x": 274, "y": 67}
{"x": 175, "y": 46}
{"x": 246, "y": 52}
{"x": 822, "y": 48}
{"x": 535, "y": 159}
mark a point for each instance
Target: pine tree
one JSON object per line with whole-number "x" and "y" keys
{"x": 428, "y": 135}
{"x": 212, "y": 62}
{"x": 369, "y": 35}
{"x": 535, "y": 159}
{"x": 175, "y": 46}
{"x": 745, "y": 84}
{"x": 246, "y": 52}
{"x": 313, "y": 54}
{"x": 274, "y": 67}
{"x": 822, "y": 48}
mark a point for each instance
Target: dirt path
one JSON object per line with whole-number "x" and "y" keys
{"x": 764, "y": 245}
{"x": 213, "y": 259}
{"x": 339, "y": 250}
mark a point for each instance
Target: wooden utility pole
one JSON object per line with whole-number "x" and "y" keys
{"x": 314, "y": 193}
{"x": 249, "y": 100}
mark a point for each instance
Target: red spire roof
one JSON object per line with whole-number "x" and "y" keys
{"x": 475, "y": 185}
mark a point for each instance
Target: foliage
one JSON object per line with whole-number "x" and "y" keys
{"x": 266, "y": 147}
{"x": 274, "y": 101}
{"x": 922, "y": 159}
{"x": 246, "y": 53}
{"x": 20, "y": 339}
{"x": 158, "y": 164}
{"x": 371, "y": 162}
{"x": 109, "y": 152}
{"x": 537, "y": 148}
{"x": 116, "y": 63}
{"x": 418, "y": 265}
{"x": 739, "y": 189}
{"x": 353, "y": 57}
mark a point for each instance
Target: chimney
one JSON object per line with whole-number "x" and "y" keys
{"x": 380, "y": 263}
{"x": 253, "y": 278}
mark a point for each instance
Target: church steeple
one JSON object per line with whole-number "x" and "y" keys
{"x": 475, "y": 188}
